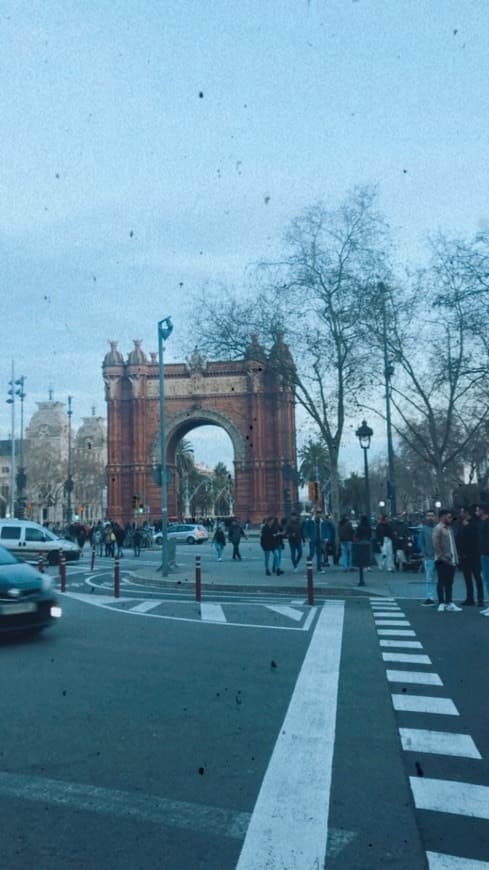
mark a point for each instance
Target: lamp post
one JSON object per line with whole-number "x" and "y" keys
{"x": 388, "y": 372}
{"x": 69, "y": 481}
{"x": 21, "y": 478}
{"x": 11, "y": 402}
{"x": 364, "y": 434}
{"x": 165, "y": 329}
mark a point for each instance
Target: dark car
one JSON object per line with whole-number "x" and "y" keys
{"x": 27, "y": 600}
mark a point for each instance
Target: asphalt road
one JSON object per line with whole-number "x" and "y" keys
{"x": 151, "y": 732}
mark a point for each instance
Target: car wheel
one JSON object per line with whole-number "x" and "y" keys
{"x": 53, "y": 558}
{"x": 190, "y": 540}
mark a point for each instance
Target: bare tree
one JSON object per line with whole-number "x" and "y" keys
{"x": 309, "y": 301}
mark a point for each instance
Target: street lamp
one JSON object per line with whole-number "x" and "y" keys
{"x": 165, "y": 329}
{"x": 364, "y": 434}
{"x": 21, "y": 475}
{"x": 11, "y": 402}
{"x": 69, "y": 481}
{"x": 388, "y": 372}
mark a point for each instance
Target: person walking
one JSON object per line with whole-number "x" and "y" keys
{"x": 219, "y": 541}
{"x": 484, "y": 549}
{"x": 315, "y": 534}
{"x": 428, "y": 554}
{"x": 136, "y": 541}
{"x": 385, "y": 535}
{"x": 236, "y": 532}
{"x": 295, "y": 536}
{"x": 446, "y": 557}
{"x": 329, "y": 545}
{"x": 345, "y": 534}
{"x": 278, "y": 532}
{"x": 467, "y": 541}
{"x": 267, "y": 542}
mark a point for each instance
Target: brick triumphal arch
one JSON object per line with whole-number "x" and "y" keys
{"x": 247, "y": 398}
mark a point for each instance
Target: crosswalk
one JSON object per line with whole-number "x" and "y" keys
{"x": 450, "y": 797}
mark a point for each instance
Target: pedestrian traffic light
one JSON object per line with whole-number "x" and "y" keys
{"x": 134, "y": 502}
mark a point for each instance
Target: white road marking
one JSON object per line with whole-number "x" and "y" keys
{"x": 387, "y": 632}
{"x": 110, "y": 603}
{"x": 447, "y": 796}
{"x": 145, "y": 606}
{"x": 421, "y": 677}
{"x": 406, "y": 658}
{"x": 286, "y": 611}
{"x": 125, "y": 804}
{"x": 392, "y": 622}
{"x": 438, "y": 742}
{"x": 389, "y": 614}
{"x": 424, "y": 704}
{"x": 299, "y": 601}
{"x": 212, "y": 612}
{"x": 402, "y": 644}
{"x": 284, "y": 832}
{"x": 436, "y": 861}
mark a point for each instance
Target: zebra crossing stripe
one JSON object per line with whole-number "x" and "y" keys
{"x": 389, "y": 614}
{"x": 447, "y": 796}
{"x": 424, "y": 704}
{"x": 402, "y": 632}
{"x": 402, "y": 644}
{"x": 212, "y": 613}
{"x": 406, "y": 658}
{"x": 436, "y": 861}
{"x": 421, "y": 677}
{"x": 438, "y": 743}
{"x": 392, "y": 622}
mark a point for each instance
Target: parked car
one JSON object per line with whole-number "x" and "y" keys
{"x": 27, "y": 600}
{"x": 29, "y": 540}
{"x": 188, "y": 533}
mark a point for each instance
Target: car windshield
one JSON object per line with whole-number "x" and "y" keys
{"x": 7, "y": 558}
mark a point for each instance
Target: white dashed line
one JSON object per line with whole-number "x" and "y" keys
{"x": 424, "y": 704}
{"x": 212, "y": 613}
{"x": 421, "y": 677}
{"x": 438, "y": 742}
{"x": 446, "y": 796}
{"x": 406, "y": 658}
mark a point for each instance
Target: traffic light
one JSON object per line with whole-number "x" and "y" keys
{"x": 134, "y": 502}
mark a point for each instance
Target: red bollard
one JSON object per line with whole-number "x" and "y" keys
{"x": 62, "y": 570}
{"x": 40, "y": 564}
{"x": 198, "y": 579}
{"x": 310, "y": 584}
{"x": 117, "y": 577}
{"x": 92, "y": 563}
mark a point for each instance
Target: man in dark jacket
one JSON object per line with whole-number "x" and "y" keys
{"x": 295, "y": 535}
{"x": 467, "y": 540}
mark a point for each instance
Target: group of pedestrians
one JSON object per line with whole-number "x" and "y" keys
{"x": 445, "y": 546}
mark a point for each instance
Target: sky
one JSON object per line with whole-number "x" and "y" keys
{"x": 150, "y": 148}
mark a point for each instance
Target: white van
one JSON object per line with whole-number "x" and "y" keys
{"x": 29, "y": 540}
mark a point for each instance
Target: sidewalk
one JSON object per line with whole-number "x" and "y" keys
{"x": 249, "y": 576}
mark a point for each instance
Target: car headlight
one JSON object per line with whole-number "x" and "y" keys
{"x": 46, "y": 583}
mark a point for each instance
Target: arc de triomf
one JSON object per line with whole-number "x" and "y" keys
{"x": 247, "y": 398}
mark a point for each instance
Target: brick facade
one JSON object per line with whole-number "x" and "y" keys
{"x": 247, "y": 398}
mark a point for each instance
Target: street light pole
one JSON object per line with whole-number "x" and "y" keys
{"x": 69, "y": 482}
{"x": 388, "y": 372}
{"x": 11, "y": 401}
{"x": 21, "y": 476}
{"x": 165, "y": 329}
{"x": 364, "y": 434}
